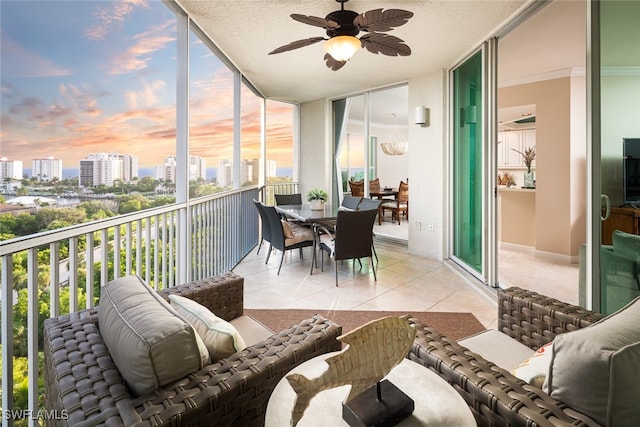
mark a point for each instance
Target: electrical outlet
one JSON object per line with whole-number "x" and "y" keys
{"x": 418, "y": 225}
{"x": 429, "y": 227}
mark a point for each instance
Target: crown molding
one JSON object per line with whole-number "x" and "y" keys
{"x": 550, "y": 75}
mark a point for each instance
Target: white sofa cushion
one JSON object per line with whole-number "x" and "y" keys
{"x": 149, "y": 342}
{"x": 595, "y": 370}
{"x": 498, "y": 348}
{"x": 220, "y": 337}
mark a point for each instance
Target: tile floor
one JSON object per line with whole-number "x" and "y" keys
{"x": 405, "y": 283}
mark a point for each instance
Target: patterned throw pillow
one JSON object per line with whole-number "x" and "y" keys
{"x": 534, "y": 370}
{"x": 220, "y": 337}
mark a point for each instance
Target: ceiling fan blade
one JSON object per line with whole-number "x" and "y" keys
{"x": 315, "y": 21}
{"x": 297, "y": 44}
{"x": 332, "y": 63}
{"x": 385, "y": 44}
{"x": 379, "y": 20}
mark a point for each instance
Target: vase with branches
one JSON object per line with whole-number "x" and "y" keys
{"x": 528, "y": 157}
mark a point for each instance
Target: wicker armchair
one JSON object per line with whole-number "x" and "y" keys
{"x": 81, "y": 378}
{"x": 495, "y": 396}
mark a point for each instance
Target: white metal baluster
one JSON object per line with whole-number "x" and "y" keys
{"x": 54, "y": 279}
{"x": 139, "y": 248}
{"x": 156, "y": 251}
{"x": 89, "y": 263}
{"x": 104, "y": 254}
{"x": 127, "y": 267}
{"x": 147, "y": 261}
{"x": 73, "y": 274}
{"x": 32, "y": 332}
{"x": 6, "y": 326}
{"x": 116, "y": 252}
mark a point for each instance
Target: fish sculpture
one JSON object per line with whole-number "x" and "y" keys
{"x": 373, "y": 350}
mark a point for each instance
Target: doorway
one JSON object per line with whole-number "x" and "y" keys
{"x": 541, "y": 104}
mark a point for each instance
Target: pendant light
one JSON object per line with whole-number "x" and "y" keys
{"x": 396, "y": 145}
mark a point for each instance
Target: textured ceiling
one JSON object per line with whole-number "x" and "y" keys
{"x": 439, "y": 34}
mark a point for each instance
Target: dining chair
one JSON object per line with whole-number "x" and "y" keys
{"x": 286, "y": 236}
{"x": 350, "y": 202}
{"x": 374, "y": 185}
{"x": 266, "y": 228}
{"x": 352, "y": 239}
{"x": 368, "y": 205}
{"x": 400, "y": 204}
{"x": 357, "y": 188}
{"x": 288, "y": 199}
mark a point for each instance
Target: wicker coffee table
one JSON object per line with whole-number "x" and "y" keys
{"x": 436, "y": 402}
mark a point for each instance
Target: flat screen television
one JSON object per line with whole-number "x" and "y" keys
{"x": 631, "y": 170}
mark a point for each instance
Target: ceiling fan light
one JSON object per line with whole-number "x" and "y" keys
{"x": 342, "y": 48}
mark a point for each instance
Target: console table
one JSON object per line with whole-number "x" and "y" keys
{"x": 623, "y": 219}
{"x": 436, "y": 402}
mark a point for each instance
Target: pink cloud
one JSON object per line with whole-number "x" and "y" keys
{"x": 110, "y": 17}
{"x": 136, "y": 57}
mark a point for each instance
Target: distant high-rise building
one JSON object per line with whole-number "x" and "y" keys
{"x": 129, "y": 167}
{"x": 197, "y": 168}
{"x": 167, "y": 171}
{"x": 272, "y": 170}
{"x": 225, "y": 173}
{"x": 249, "y": 171}
{"x": 46, "y": 169}
{"x": 10, "y": 168}
{"x": 100, "y": 168}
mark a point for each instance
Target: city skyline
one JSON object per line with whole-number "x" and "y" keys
{"x": 97, "y": 76}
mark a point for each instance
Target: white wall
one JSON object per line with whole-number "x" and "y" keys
{"x": 428, "y": 169}
{"x": 315, "y": 147}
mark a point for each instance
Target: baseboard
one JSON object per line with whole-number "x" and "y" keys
{"x": 530, "y": 250}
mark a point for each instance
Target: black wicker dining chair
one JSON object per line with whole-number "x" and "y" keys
{"x": 351, "y": 239}
{"x": 286, "y": 236}
{"x": 288, "y": 199}
{"x": 266, "y": 228}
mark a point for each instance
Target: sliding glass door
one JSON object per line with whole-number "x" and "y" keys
{"x": 615, "y": 148}
{"x": 468, "y": 194}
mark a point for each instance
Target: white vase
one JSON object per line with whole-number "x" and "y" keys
{"x": 317, "y": 205}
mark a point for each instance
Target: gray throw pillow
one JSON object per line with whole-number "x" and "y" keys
{"x": 595, "y": 370}
{"x": 149, "y": 342}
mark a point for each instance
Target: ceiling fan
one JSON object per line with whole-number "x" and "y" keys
{"x": 343, "y": 26}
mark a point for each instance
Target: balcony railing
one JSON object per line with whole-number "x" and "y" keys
{"x": 280, "y": 188}
{"x": 165, "y": 246}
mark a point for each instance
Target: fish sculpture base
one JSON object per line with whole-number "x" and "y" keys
{"x": 366, "y": 410}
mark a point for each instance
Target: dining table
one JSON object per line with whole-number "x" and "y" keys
{"x": 384, "y": 192}
{"x": 304, "y": 213}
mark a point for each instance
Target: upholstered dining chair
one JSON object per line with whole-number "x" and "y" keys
{"x": 399, "y": 205}
{"x": 286, "y": 236}
{"x": 352, "y": 239}
{"x": 357, "y": 188}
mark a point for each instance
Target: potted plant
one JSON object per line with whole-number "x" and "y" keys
{"x": 528, "y": 156}
{"x": 317, "y": 197}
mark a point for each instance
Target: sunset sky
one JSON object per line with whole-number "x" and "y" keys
{"x": 99, "y": 76}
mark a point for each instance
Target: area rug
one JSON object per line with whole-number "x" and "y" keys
{"x": 453, "y": 325}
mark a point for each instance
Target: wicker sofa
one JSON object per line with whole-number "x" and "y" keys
{"x": 496, "y": 397}
{"x": 82, "y": 379}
